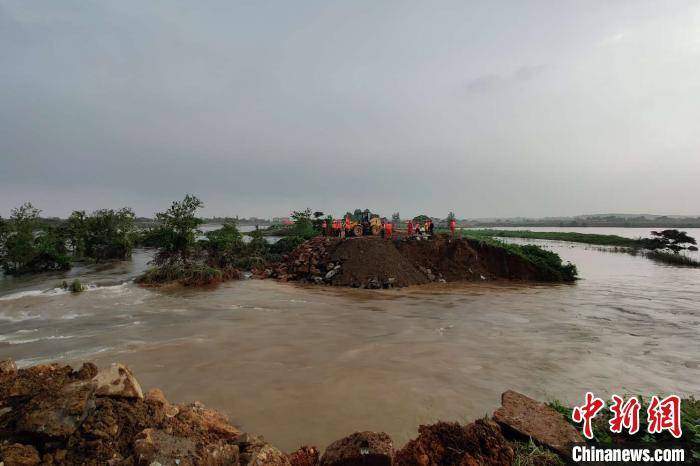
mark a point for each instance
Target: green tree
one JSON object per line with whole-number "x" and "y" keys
{"x": 303, "y": 225}
{"x": 110, "y": 234}
{"x": 674, "y": 240}
{"x": 26, "y": 247}
{"x": 317, "y": 221}
{"x": 76, "y": 232}
{"x": 178, "y": 230}
{"x": 451, "y": 216}
{"x": 258, "y": 246}
{"x": 224, "y": 245}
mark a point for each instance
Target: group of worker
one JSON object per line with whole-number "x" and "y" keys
{"x": 414, "y": 229}
{"x": 341, "y": 228}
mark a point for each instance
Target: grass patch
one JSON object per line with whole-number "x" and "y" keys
{"x": 530, "y": 454}
{"x": 672, "y": 258}
{"x": 586, "y": 238}
{"x": 549, "y": 264}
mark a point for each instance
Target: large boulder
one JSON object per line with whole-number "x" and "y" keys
{"x": 480, "y": 443}
{"x": 50, "y": 415}
{"x": 360, "y": 448}
{"x": 117, "y": 381}
{"x": 524, "y": 417}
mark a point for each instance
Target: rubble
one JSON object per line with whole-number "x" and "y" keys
{"x": 449, "y": 443}
{"x": 361, "y": 448}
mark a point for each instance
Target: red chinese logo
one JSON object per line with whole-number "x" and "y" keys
{"x": 587, "y": 412}
{"x": 665, "y": 414}
{"x": 662, "y": 415}
{"x": 625, "y": 415}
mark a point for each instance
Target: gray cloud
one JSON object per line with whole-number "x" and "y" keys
{"x": 488, "y": 109}
{"x": 495, "y": 82}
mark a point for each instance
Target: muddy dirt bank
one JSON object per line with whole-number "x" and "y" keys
{"x": 374, "y": 262}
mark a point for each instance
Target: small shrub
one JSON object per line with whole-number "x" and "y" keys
{"x": 672, "y": 258}
{"x": 76, "y": 286}
{"x": 286, "y": 245}
{"x": 187, "y": 275}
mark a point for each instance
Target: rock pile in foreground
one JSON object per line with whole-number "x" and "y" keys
{"x": 52, "y": 414}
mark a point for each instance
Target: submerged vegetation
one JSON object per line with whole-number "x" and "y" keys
{"x": 672, "y": 258}
{"x": 25, "y": 247}
{"x": 585, "y": 238}
{"x": 105, "y": 234}
{"x": 30, "y": 245}
{"x": 664, "y": 246}
{"x": 190, "y": 257}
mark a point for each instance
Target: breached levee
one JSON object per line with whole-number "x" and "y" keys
{"x": 52, "y": 414}
{"x": 374, "y": 262}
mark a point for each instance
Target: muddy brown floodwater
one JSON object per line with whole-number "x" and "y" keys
{"x": 310, "y": 364}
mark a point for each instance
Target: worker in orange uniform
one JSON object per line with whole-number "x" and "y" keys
{"x": 453, "y": 225}
{"x": 388, "y": 227}
{"x": 347, "y": 226}
{"x": 409, "y": 228}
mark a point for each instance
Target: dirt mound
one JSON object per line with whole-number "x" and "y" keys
{"x": 373, "y": 262}
{"x": 466, "y": 259}
{"x": 366, "y": 262}
{"x": 449, "y": 443}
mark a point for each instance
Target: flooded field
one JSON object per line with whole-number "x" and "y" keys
{"x": 310, "y": 364}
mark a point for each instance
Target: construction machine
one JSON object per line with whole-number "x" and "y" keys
{"x": 368, "y": 225}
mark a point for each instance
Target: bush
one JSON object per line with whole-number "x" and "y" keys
{"x": 549, "y": 263}
{"x": 672, "y": 258}
{"x": 286, "y": 245}
{"x": 187, "y": 275}
{"x": 105, "y": 234}
{"x": 26, "y": 246}
{"x": 76, "y": 286}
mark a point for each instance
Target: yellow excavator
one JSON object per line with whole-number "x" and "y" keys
{"x": 367, "y": 226}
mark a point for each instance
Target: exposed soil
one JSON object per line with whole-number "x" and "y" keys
{"x": 449, "y": 443}
{"x": 374, "y": 262}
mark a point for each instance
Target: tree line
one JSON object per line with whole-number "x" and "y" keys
{"x": 184, "y": 252}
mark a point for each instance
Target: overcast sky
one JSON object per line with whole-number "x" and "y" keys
{"x": 488, "y": 108}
